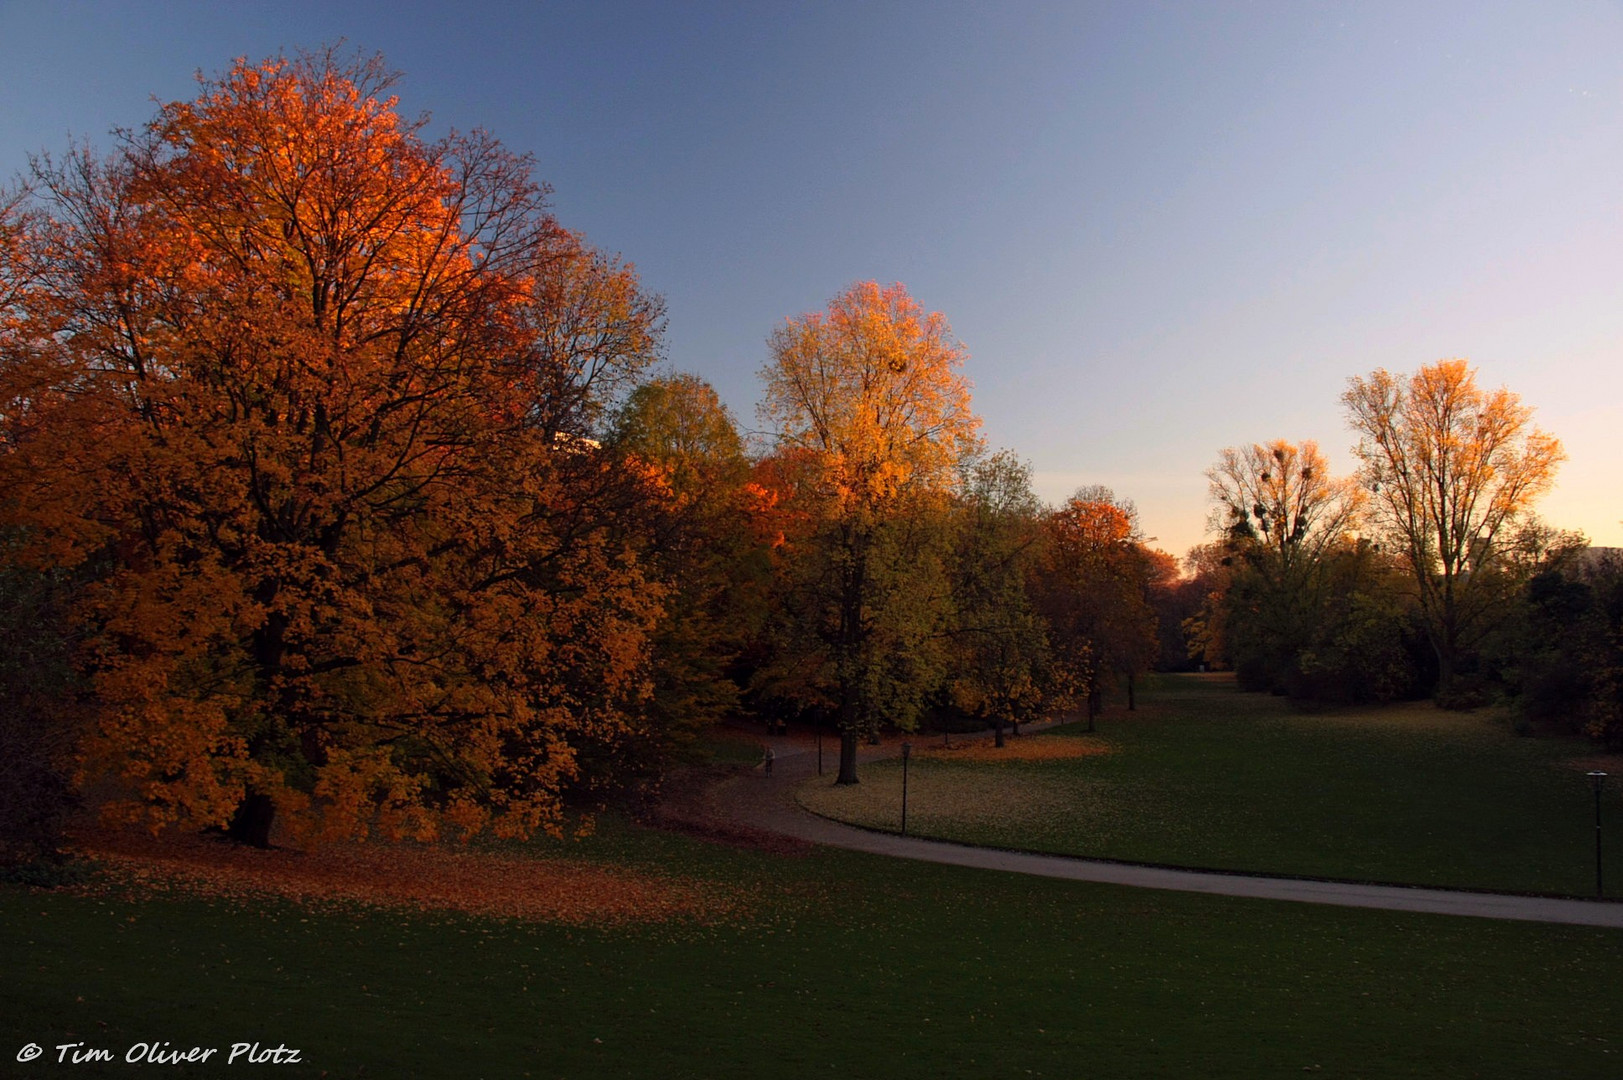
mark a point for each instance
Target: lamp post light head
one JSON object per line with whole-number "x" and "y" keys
{"x": 1597, "y": 776}
{"x": 907, "y": 750}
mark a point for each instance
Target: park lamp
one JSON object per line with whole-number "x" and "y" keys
{"x": 907, "y": 752}
{"x": 1597, "y": 776}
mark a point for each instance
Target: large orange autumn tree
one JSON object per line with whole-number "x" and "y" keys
{"x": 872, "y": 415}
{"x": 306, "y": 398}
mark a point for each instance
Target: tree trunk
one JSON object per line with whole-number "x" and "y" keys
{"x": 1132, "y": 703}
{"x": 1445, "y": 670}
{"x": 848, "y": 757}
{"x": 251, "y": 824}
{"x": 997, "y": 737}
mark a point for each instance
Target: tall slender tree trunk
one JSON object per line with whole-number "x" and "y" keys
{"x": 1445, "y": 669}
{"x": 848, "y": 757}
{"x": 1446, "y": 645}
{"x": 850, "y": 644}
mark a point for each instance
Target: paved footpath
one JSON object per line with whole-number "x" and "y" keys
{"x": 755, "y": 800}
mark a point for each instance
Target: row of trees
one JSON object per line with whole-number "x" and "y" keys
{"x": 1420, "y": 573}
{"x": 340, "y": 494}
{"x": 877, "y": 566}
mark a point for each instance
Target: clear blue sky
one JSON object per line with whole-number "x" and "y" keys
{"x": 1161, "y": 229}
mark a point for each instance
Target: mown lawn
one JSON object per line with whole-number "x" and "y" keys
{"x": 1205, "y": 776}
{"x": 847, "y": 966}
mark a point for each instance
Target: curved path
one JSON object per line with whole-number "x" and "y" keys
{"x": 757, "y": 801}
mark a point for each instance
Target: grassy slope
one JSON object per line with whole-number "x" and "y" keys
{"x": 1206, "y": 776}
{"x": 855, "y": 967}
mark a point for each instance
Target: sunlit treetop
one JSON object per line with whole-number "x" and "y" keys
{"x": 874, "y": 386}
{"x": 1282, "y": 495}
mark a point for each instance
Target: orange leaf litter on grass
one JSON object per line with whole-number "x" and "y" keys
{"x": 1028, "y": 748}
{"x": 422, "y": 878}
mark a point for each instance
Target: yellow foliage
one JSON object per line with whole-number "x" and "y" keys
{"x": 872, "y": 386}
{"x": 1449, "y": 467}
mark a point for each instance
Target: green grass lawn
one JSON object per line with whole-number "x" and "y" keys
{"x": 1206, "y": 776}
{"x": 851, "y": 966}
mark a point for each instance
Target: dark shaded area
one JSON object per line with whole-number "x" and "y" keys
{"x": 39, "y": 717}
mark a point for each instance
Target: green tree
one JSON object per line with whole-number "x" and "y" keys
{"x": 1282, "y": 514}
{"x": 1602, "y": 713}
{"x": 700, "y": 544}
{"x": 1001, "y": 665}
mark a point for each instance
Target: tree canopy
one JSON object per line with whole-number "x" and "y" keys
{"x": 1449, "y": 468}
{"x": 1284, "y": 496}
{"x": 312, "y": 397}
{"x": 873, "y": 386}
{"x": 1001, "y": 666}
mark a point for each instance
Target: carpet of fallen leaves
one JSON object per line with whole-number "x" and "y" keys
{"x": 423, "y": 878}
{"x": 1025, "y": 748}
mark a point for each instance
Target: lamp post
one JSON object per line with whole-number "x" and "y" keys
{"x": 819, "y": 726}
{"x": 1597, "y": 777}
{"x": 907, "y": 752}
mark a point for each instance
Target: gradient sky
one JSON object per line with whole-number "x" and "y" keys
{"x": 1160, "y": 229}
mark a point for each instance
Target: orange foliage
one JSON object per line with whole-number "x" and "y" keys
{"x": 779, "y": 511}
{"x": 1096, "y": 582}
{"x": 307, "y": 397}
{"x": 1090, "y": 529}
{"x": 1449, "y": 464}
{"x": 873, "y": 422}
{"x": 872, "y": 388}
